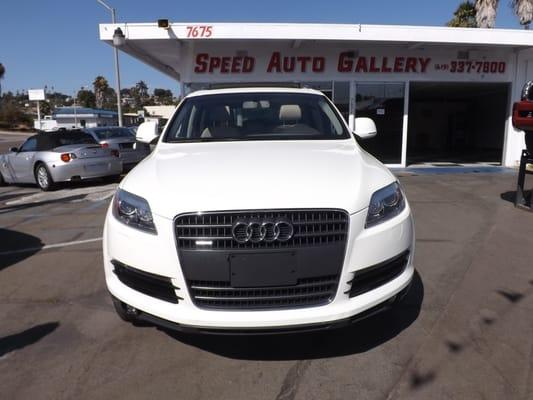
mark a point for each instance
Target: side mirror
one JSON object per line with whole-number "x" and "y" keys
{"x": 13, "y": 149}
{"x": 365, "y": 128}
{"x": 147, "y": 132}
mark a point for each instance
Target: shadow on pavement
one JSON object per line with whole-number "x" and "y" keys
{"x": 510, "y": 196}
{"x": 358, "y": 338}
{"x": 16, "y": 246}
{"x": 25, "y": 338}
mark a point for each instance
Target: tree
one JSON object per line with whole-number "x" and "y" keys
{"x": 486, "y": 13}
{"x": 101, "y": 86}
{"x": 464, "y": 16}
{"x": 163, "y": 96}
{"x": 2, "y": 73}
{"x": 11, "y": 114}
{"x": 110, "y": 102}
{"x": 46, "y": 108}
{"x": 524, "y": 11}
{"x": 86, "y": 98}
{"x": 140, "y": 94}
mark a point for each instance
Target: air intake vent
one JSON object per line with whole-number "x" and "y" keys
{"x": 370, "y": 278}
{"x": 152, "y": 285}
{"x": 307, "y": 292}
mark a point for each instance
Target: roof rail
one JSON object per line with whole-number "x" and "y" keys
{"x": 254, "y": 84}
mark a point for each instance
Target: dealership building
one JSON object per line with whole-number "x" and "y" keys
{"x": 436, "y": 94}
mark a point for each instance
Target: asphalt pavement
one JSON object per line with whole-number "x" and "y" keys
{"x": 465, "y": 330}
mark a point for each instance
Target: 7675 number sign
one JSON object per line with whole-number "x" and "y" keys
{"x": 199, "y": 31}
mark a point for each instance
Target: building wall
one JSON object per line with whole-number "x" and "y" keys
{"x": 205, "y": 63}
{"x": 289, "y": 61}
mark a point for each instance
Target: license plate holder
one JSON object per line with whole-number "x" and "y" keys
{"x": 95, "y": 166}
{"x": 263, "y": 269}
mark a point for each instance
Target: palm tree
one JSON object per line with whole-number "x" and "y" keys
{"x": 486, "y": 13}
{"x": 464, "y": 16}
{"x": 100, "y": 89}
{"x": 2, "y": 73}
{"x": 140, "y": 94}
{"x": 524, "y": 11}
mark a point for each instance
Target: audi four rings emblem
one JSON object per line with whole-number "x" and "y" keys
{"x": 262, "y": 231}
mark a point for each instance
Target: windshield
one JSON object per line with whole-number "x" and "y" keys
{"x": 111, "y": 133}
{"x": 256, "y": 116}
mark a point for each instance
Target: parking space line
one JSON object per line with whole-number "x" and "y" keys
{"x": 50, "y": 246}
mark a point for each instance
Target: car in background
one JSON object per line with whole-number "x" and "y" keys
{"x": 60, "y": 156}
{"x": 123, "y": 140}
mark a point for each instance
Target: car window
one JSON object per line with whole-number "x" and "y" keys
{"x": 49, "y": 141}
{"x": 111, "y": 133}
{"x": 29, "y": 145}
{"x": 256, "y": 116}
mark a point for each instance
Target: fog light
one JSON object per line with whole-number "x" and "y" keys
{"x": 131, "y": 310}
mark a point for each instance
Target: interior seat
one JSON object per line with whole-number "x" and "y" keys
{"x": 290, "y": 114}
{"x": 219, "y": 125}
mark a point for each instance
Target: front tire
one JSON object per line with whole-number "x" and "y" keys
{"x": 43, "y": 178}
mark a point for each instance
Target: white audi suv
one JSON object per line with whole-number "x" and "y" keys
{"x": 257, "y": 211}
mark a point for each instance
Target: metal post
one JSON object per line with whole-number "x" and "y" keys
{"x": 39, "y": 114}
{"x": 75, "y": 111}
{"x": 117, "y": 70}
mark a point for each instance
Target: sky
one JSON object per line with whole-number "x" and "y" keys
{"x": 55, "y": 42}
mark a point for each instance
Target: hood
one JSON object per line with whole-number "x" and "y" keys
{"x": 179, "y": 177}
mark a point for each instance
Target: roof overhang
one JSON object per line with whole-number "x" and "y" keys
{"x": 162, "y": 48}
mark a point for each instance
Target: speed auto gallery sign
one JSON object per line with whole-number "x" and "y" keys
{"x": 343, "y": 63}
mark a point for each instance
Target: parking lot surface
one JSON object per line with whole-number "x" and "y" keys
{"x": 465, "y": 330}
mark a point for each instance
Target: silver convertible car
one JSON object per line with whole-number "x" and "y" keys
{"x": 123, "y": 140}
{"x": 51, "y": 157}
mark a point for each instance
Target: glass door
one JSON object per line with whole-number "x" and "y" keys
{"x": 383, "y": 103}
{"x": 341, "y": 98}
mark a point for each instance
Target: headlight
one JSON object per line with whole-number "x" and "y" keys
{"x": 385, "y": 204}
{"x": 133, "y": 211}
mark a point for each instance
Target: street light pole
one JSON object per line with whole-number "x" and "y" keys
{"x": 117, "y": 70}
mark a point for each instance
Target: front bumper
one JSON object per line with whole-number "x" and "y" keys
{"x": 157, "y": 254}
{"x": 322, "y": 326}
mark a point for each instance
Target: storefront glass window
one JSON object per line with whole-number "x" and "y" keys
{"x": 324, "y": 87}
{"x": 341, "y": 98}
{"x": 384, "y": 103}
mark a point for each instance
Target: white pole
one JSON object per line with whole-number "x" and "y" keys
{"x": 39, "y": 114}
{"x": 117, "y": 75}
{"x": 75, "y": 114}
{"x": 117, "y": 69}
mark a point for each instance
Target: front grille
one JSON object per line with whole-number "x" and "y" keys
{"x": 152, "y": 285}
{"x": 311, "y": 228}
{"x": 372, "y": 277}
{"x": 306, "y": 293}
